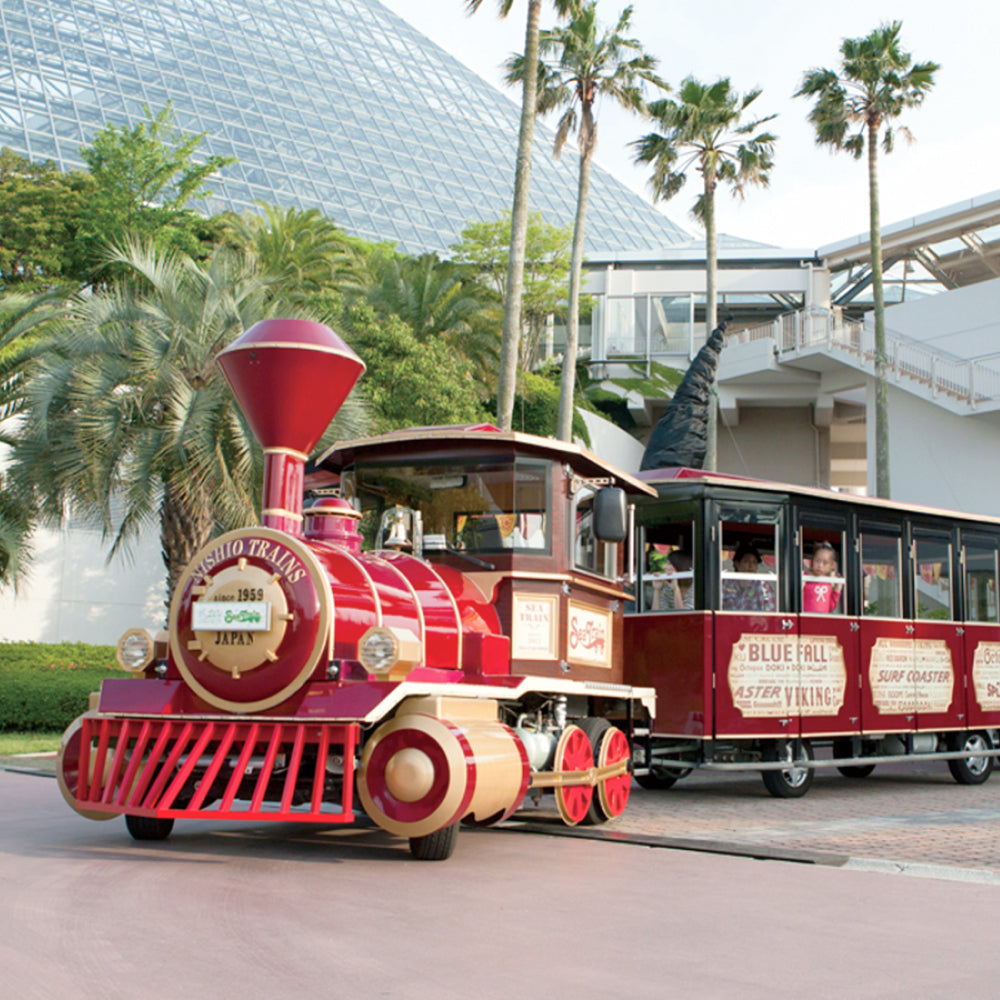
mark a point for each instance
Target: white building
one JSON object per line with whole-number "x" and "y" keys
{"x": 795, "y": 384}
{"x": 796, "y": 390}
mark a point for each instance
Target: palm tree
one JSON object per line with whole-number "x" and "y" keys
{"x": 442, "y": 299}
{"x": 127, "y": 418}
{"x": 876, "y": 83}
{"x": 703, "y": 128}
{"x": 510, "y": 344}
{"x": 304, "y": 253}
{"x": 24, "y": 319}
{"x": 577, "y": 63}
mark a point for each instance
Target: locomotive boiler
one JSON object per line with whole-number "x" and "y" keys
{"x": 440, "y": 635}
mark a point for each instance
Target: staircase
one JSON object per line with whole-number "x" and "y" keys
{"x": 961, "y": 385}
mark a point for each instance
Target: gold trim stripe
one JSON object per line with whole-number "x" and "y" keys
{"x": 297, "y": 346}
{"x": 287, "y": 451}
{"x": 280, "y": 512}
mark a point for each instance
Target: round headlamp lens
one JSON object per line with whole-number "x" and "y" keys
{"x": 378, "y": 650}
{"x": 135, "y": 650}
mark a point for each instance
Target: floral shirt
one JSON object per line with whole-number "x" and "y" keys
{"x": 747, "y": 595}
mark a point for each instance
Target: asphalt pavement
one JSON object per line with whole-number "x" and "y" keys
{"x": 908, "y": 818}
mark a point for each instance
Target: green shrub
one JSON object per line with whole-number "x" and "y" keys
{"x": 45, "y": 686}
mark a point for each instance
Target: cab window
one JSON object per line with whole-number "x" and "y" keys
{"x": 589, "y": 552}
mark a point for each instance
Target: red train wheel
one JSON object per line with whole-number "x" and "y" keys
{"x": 573, "y": 753}
{"x": 612, "y": 793}
{"x": 610, "y": 747}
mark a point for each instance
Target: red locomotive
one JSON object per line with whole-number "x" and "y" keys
{"x": 470, "y": 654}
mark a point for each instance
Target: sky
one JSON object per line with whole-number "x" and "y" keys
{"x": 816, "y": 197}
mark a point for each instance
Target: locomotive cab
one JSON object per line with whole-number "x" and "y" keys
{"x": 538, "y": 526}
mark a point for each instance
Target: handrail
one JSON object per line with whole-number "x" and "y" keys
{"x": 970, "y": 381}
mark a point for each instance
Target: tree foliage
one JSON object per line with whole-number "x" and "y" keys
{"x": 303, "y": 253}
{"x": 485, "y": 246}
{"x": 536, "y": 406}
{"x": 146, "y": 178}
{"x": 409, "y": 381}
{"x": 40, "y": 213}
{"x": 127, "y": 419}
{"x": 442, "y": 300}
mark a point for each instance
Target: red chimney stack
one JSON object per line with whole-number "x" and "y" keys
{"x": 290, "y": 377}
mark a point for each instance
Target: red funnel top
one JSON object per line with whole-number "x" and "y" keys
{"x": 290, "y": 376}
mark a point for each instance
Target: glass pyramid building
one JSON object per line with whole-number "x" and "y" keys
{"x": 331, "y": 104}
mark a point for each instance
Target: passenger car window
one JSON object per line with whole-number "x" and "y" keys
{"x": 749, "y": 559}
{"x": 980, "y": 581}
{"x": 880, "y": 568}
{"x": 824, "y": 586}
{"x": 932, "y": 577}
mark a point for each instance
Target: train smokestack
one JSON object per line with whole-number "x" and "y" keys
{"x": 290, "y": 377}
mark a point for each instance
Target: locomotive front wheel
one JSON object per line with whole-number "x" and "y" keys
{"x": 148, "y": 827}
{"x": 437, "y": 846}
{"x": 971, "y": 770}
{"x": 573, "y": 753}
{"x": 794, "y": 781}
{"x": 609, "y": 746}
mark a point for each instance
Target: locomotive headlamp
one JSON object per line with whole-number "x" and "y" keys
{"x": 135, "y": 650}
{"x": 389, "y": 652}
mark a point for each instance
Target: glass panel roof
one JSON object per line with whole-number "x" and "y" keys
{"x": 359, "y": 78}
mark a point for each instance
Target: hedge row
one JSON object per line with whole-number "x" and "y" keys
{"x": 45, "y": 686}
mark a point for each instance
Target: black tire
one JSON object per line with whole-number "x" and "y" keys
{"x": 856, "y": 770}
{"x": 971, "y": 770}
{"x": 437, "y": 846}
{"x": 656, "y": 781}
{"x": 844, "y": 747}
{"x": 794, "y": 782}
{"x": 149, "y": 827}
{"x": 595, "y": 730}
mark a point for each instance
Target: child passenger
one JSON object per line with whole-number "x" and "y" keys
{"x": 821, "y": 597}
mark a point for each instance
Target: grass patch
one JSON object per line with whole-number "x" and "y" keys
{"x": 40, "y": 742}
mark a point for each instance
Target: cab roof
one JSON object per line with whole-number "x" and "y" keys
{"x": 477, "y": 440}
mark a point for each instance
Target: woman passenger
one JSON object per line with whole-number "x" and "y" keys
{"x": 747, "y": 595}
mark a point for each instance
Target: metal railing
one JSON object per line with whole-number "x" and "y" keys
{"x": 974, "y": 382}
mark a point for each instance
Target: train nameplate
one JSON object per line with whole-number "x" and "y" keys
{"x": 231, "y": 616}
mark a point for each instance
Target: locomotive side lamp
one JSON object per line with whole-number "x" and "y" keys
{"x": 389, "y": 652}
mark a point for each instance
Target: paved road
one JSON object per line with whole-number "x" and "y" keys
{"x": 911, "y": 816}
{"x": 245, "y": 911}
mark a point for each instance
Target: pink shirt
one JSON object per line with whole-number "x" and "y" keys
{"x": 820, "y": 598}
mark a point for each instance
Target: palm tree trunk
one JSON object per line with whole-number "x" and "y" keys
{"x": 711, "y": 312}
{"x": 568, "y": 384}
{"x": 881, "y": 388}
{"x": 185, "y": 526}
{"x": 519, "y": 224}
